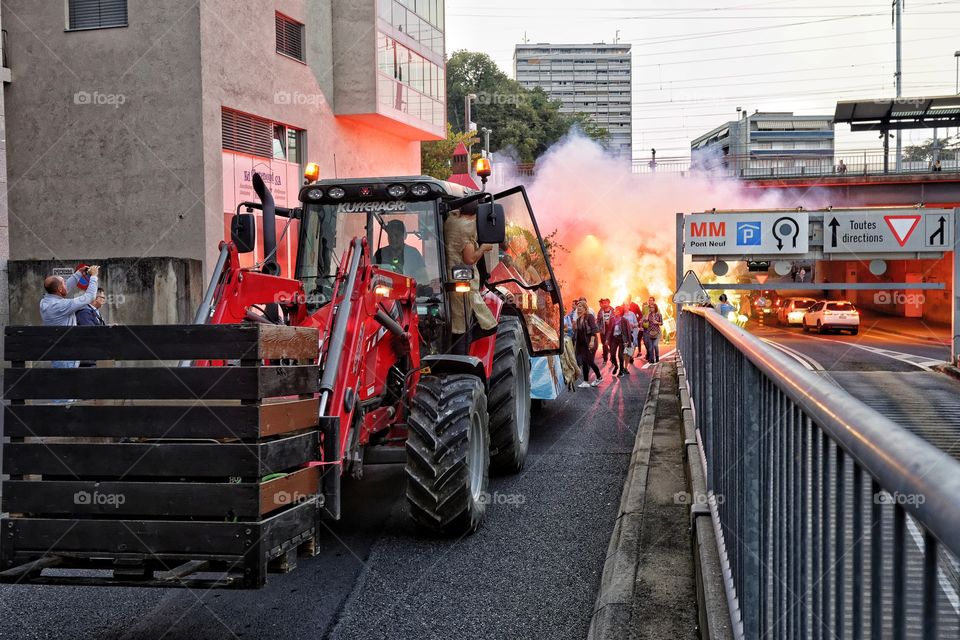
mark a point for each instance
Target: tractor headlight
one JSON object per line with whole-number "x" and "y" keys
{"x": 420, "y": 189}
{"x": 315, "y": 194}
{"x": 336, "y": 192}
{"x": 462, "y": 274}
{"x": 397, "y": 191}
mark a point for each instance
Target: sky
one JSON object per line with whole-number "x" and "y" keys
{"x": 696, "y": 61}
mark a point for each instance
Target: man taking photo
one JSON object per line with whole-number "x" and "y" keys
{"x": 57, "y": 310}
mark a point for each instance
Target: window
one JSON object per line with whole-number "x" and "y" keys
{"x": 247, "y": 134}
{"x": 290, "y": 37}
{"x": 96, "y": 14}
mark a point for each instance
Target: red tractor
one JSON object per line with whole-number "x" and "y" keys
{"x": 373, "y": 274}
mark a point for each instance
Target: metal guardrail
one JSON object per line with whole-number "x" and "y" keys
{"x": 832, "y": 521}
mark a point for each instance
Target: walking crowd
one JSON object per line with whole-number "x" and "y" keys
{"x": 619, "y": 331}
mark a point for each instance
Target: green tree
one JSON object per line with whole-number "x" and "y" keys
{"x": 436, "y": 156}
{"x": 526, "y": 120}
{"x": 923, "y": 152}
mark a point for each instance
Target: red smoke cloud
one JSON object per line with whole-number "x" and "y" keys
{"x": 619, "y": 228}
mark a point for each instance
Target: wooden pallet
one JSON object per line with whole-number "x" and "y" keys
{"x": 157, "y": 474}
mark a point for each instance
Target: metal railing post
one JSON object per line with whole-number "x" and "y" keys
{"x": 750, "y": 504}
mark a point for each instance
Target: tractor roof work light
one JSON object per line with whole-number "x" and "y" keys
{"x": 483, "y": 167}
{"x": 312, "y": 172}
{"x": 483, "y": 170}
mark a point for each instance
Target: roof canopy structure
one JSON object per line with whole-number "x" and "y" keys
{"x": 884, "y": 114}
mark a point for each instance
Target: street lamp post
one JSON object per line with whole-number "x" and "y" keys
{"x": 956, "y": 54}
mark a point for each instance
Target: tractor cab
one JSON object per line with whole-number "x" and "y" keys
{"x": 402, "y": 219}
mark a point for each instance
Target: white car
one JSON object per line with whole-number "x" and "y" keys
{"x": 792, "y": 310}
{"x": 832, "y": 315}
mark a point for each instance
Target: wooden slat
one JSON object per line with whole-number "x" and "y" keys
{"x": 161, "y": 342}
{"x": 84, "y": 498}
{"x": 190, "y": 420}
{"x": 160, "y": 383}
{"x": 294, "y": 343}
{"x": 129, "y": 536}
{"x": 287, "y": 416}
{"x": 151, "y": 537}
{"x": 295, "y": 488}
{"x": 199, "y": 459}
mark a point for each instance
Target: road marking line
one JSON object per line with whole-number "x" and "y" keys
{"x": 907, "y": 358}
{"x": 808, "y": 363}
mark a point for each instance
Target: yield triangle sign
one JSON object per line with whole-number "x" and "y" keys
{"x": 902, "y": 227}
{"x": 690, "y": 291}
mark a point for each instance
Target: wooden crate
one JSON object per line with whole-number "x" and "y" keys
{"x": 162, "y": 475}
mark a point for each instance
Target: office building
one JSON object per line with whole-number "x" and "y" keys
{"x": 767, "y": 143}
{"x": 590, "y": 78}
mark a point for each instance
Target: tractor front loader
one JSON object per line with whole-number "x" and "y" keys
{"x": 213, "y": 459}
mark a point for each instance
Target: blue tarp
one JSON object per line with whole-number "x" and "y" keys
{"x": 546, "y": 378}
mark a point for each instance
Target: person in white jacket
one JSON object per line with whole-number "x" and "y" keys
{"x": 57, "y": 310}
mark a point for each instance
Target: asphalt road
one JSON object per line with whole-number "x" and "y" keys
{"x": 532, "y": 571}
{"x": 892, "y": 373}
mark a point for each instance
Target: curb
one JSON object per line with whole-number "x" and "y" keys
{"x": 713, "y": 610}
{"x": 949, "y": 370}
{"x": 904, "y": 334}
{"x": 611, "y": 613}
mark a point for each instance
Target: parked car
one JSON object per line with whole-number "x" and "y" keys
{"x": 832, "y": 315}
{"x": 792, "y": 310}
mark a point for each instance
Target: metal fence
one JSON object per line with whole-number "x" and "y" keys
{"x": 832, "y": 521}
{"x": 854, "y": 163}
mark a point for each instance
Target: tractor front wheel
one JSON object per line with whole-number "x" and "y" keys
{"x": 448, "y": 454}
{"x": 509, "y": 398}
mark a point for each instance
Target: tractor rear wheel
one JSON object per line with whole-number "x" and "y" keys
{"x": 448, "y": 454}
{"x": 509, "y": 398}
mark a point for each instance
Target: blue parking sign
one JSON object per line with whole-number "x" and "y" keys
{"x": 748, "y": 233}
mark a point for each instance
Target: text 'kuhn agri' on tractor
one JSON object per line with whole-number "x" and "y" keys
{"x": 397, "y": 334}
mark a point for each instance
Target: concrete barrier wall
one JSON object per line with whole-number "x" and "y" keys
{"x": 139, "y": 291}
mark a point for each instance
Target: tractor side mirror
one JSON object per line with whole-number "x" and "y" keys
{"x": 243, "y": 232}
{"x": 491, "y": 224}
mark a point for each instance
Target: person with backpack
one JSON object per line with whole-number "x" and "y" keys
{"x": 619, "y": 339}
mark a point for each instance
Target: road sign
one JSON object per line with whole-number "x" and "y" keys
{"x": 882, "y": 231}
{"x": 690, "y": 291}
{"x": 745, "y": 234}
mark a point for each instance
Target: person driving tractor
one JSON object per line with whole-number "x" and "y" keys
{"x": 400, "y": 256}
{"x": 462, "y": 249}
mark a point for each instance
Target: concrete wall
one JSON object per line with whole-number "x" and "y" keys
{"x": 139, "y": 291}
{"x": 104, "y": 138}
{"x": 936, "y": 304}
